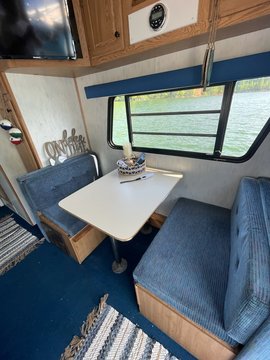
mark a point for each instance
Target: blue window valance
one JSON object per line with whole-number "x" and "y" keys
{"x": 246, "y": 67}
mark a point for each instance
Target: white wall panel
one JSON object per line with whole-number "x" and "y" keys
{"x": 179, "y": 13}
{"x": 48, "y": 105}
{"x": 208, "y": 181}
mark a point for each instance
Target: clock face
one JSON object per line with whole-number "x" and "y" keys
{"x": 157, "y": 16}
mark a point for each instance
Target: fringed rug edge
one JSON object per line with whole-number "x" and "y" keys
{"x": 76, "y": 343}
{"x": 21, "y": 256}
{"x": 6, "y": 217}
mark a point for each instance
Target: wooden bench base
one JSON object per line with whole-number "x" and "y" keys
{"x": 78, "y": 246}
{"x": 186, "y": 333}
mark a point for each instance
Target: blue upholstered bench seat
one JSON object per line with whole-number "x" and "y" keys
{"x": 187, "y": 269}
{"x": 247, "y": 301}
{"x": 44, "y": 188}
{"x": 47, "y": 186}
{"x": 69, "y": 223}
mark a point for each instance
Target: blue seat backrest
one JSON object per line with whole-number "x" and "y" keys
{"x": 258, "y": 346}
{"x": 247, "y": 301}
{"x": 47, "y": 186}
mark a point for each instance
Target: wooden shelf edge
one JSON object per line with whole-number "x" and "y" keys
{"x": 65, "y": 68}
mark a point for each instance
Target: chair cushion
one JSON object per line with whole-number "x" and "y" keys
{"x": 187, "y": 264}
{"x": 247, "y": 302}
{"x": 69, "y": 223}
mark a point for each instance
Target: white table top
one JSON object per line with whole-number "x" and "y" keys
{"x": 120, "y": 210}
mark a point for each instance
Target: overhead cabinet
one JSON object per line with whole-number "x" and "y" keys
{"x": 233, "y": 12}
{"x": 138, "y": 36}
{"x": 103, "y": 23}
{"x": 107, "y": 38}
{"x": 230, "y": 7}
{"x": 235, "y": 17}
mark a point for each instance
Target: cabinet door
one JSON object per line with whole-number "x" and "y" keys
{"x": 229, "y": 7}
{"x": 103, "y": 26}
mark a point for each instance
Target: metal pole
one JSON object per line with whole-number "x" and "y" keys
{"x": 119, "y": 265}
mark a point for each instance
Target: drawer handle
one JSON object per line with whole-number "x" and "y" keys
{"x": 117, "y": 34}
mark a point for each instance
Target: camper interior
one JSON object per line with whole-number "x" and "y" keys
{"x": 134, "y": 168}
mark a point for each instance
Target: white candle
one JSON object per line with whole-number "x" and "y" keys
{"x": 127, "y": 149}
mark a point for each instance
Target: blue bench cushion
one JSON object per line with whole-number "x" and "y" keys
{"x": 47, "y": 186}
{"x": 69, "y": 223}
{"x": 265, "y": 195}
{"x": 247, "y": 302}
{"x": 187, "y": 264}
{"x": 258, "y": 346}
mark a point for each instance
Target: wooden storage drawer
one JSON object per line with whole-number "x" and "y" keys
{"x": 86, "y": 241}
{"x": 78, "y": 246}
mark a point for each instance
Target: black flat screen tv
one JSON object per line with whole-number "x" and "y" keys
{"x": 38, "y": 29}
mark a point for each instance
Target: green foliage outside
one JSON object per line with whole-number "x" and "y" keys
{"x": 262, "y": 84}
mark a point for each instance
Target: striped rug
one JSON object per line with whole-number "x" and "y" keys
{"x": 107, "y": 335}
{"x": 15, "y": 243}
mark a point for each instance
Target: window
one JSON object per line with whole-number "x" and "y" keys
{"x": 249, "y": 113}
{"x": 224, "y": 122}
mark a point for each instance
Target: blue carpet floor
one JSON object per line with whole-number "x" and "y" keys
{"x": 45, "y": 298}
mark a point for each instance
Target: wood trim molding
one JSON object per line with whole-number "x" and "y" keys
{"x": 77, "y": 8}
{"x": 26, "y": 149}
{"x": 198, "y": 341}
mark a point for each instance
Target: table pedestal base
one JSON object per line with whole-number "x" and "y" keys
{"x": 146, "y": 229}
{"x": 119, "y": 265}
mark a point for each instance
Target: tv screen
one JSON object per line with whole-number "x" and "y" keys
{"x": 35, "y": 29}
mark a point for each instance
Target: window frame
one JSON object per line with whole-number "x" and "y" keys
{"x": 220, "y": 135}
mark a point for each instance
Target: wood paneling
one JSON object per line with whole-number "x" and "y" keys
{"x": 238, "y": 12}
{"x": 229, "y": 7}
{"x": 157, "y": 220}
{"x": 163, "y": 40}
{"x": 86, "y": 241}
{"x": 136, "y": 2}
{"x": 78, "y": 13}
{"x": 239, "y": 17}
{"x": 135, "y": 5}
{"x": 103, "y": 26}
{"x": 188, "y": 334}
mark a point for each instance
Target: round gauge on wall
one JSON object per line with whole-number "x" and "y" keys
{"x": 157, "y": 16}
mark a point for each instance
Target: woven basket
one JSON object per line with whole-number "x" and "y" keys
{"x": 131, "y": 170}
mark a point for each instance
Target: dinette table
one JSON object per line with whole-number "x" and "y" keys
{"x": 120, "y": 207}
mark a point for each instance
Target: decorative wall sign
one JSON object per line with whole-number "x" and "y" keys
{"x": 59, "y": 150}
